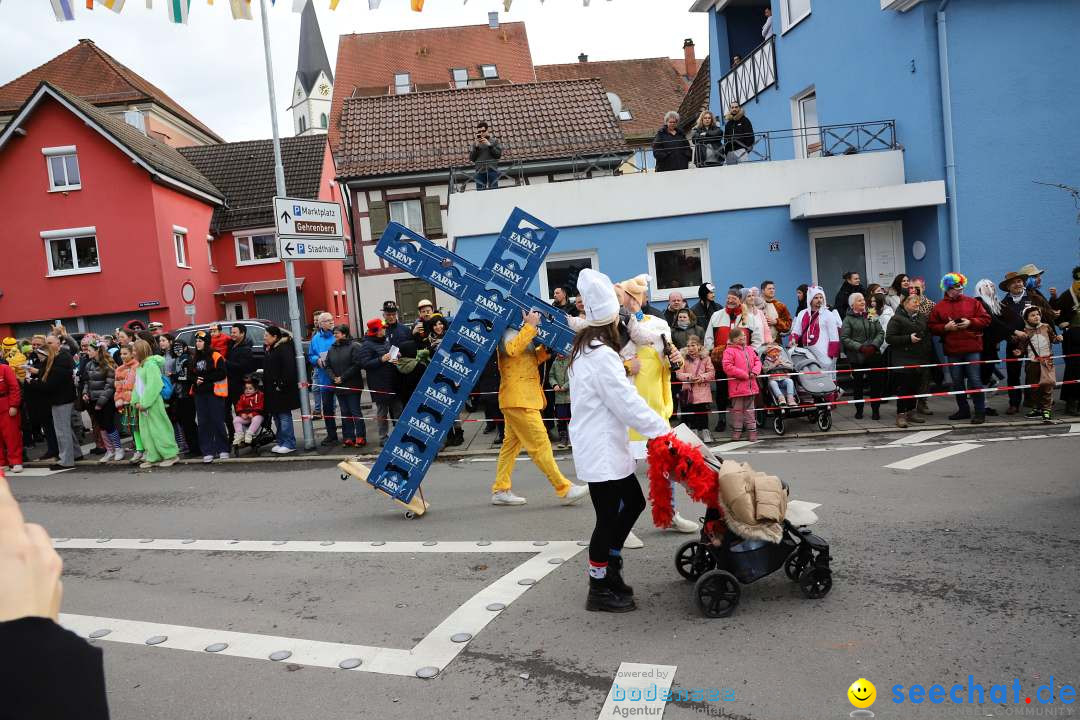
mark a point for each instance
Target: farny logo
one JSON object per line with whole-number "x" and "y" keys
{"x": 524, "y": 243}
{"x": 507, "y": 273}
{"x": 451, "y": 285}
{"x": 488, "y": 304}
{"x": 389, "y": 481}
{"x": 451, "y": 364}
{"x": 399, "y": 257}
{"x": 432, "y": 394}
{"x": 417, "y": 424}
{"x": 468, "y": 333}
{"x": 402, "y": 454}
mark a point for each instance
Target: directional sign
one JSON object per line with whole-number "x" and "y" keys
{"x": 307, "y": 218}
{"x": 291, "y": 248}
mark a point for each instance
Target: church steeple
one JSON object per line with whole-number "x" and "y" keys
{"x": 314, "y": 85}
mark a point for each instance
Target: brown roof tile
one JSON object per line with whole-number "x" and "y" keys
{"x": 370, "y": 60}
{"x": 92, "y": 74}
{"x": 647, "y": 87}
{"x": 419, "y": 132}
{"x": 697, "y": 98}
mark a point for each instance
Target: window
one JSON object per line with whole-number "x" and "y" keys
{"x": 625, "y": 114}
{"x": 180, "y": 246}
{"x": 561, "y": 270}
{"x": 303, "y": 124}
{"x": 461, "y": 77}
{"x": 323, "y": 121}
{"x": 805, "y": 115}
{"x": 402, "y": 83}
{"x": 678, "y": 266}
{"x": 63, "y": 166}
{"x": 489, "y": 72}
{"x": 256, "y": 249}
{"x": 408, "y": 213}
{"x": 792, "y": 13}
{"x": 71, "y": 252}
{"x": 210, "y": 252}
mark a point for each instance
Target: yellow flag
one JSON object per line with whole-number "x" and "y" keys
{"x": 417, "y": 5}
{"x": 333, "y": 4}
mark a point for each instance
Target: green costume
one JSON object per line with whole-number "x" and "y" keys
{"x": 155, "y": 429}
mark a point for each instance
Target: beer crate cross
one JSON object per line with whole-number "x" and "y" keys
{"x": 493, "y": 297}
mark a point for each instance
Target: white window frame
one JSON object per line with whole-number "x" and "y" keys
{"x": 494, "y": 70}
{"x": 69, "y": 234}
{"x": 591, "y": 255}
{"x": 210, "y": 253}
{"x": 247, "y": 235}
{"x": 896, "y": 227}
{"x": 62, "y": 151}
{"x": 404, "y": 202}
{"x": 407, "y": 85}
{"x": 458, "y": 84}
{"x": 798, "y": 123}
{"x": 657, "y": 294}
{"x": 180, "y": 246}
{"x": 625, "y": 114}
{"x": 787, "y": 22}
{"x": 303, "y": 124}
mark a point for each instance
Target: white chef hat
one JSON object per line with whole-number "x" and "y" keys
{"x": 598, "y": 293}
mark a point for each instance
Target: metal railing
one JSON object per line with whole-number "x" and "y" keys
{"x": 754, "y": 74}
{"x": 466, "y": 178}
{"x": 824, "y": 141}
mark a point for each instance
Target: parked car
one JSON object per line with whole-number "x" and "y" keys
{"x": 255, "y": 327}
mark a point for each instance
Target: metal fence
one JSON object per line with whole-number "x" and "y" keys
{"x": 755, "y": 73}
{"x": 824, "y": 141}
{"x": 465, "y": 178}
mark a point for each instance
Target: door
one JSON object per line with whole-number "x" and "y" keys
{"x": 275, "y": 308}
{"x": 875, "y": 251}
{"x": 236, "y": 311}
{"x": 409, "y": 292}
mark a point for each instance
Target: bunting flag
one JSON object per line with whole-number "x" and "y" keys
{"x": 178, "y": 11}
{"x": 63, "y": 10}
{"x": 241, "y": 9}
{"x": 506, "y": 5}
{"x": 298, "y": 5}
{"x": 114, "y": 5}
{"x": 417, "y": 5}
{"x": 333, "y": 5}
{"x": 373, "y": 4}
{"x": 89, "y": 4}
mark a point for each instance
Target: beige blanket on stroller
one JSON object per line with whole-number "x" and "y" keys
{"x": 755, "y": 503}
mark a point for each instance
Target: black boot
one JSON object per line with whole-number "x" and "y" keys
{"x": 721, "y": 424}
{"x": 858, "y": 410}
{"x": 875, "y": 411}
{"x": 603, "y": 599}
{"x": 615, "y": 579}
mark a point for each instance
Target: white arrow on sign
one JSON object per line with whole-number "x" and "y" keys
{"x": 307, "y": 218}
{"x": 306, "y": 248}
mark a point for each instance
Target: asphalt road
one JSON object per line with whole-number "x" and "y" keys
{"x": 966, "y": 565}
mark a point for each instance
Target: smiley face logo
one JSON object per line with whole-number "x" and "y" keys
{"x": 862, "y": 693}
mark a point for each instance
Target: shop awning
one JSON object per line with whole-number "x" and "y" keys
{"x": 867, "y": 200}
{"x": 253, "y": 287}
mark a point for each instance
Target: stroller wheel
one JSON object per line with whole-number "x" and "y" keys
{"x": 795, "y": 564}
{"x": 692, "y": 560}
{"x": 824, "y": 421}
{"x": 717, "y": 593}
{"x": 778, "y": 425}
{"x": 815, "y": 582}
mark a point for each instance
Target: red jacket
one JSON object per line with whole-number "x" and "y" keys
{"x": 252, "y": 404}
{"x": 221, "y": 343}
{"x": 10, "y": 395}
{"x": 959, "y": 342}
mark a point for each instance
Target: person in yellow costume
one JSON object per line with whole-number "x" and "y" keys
{"x": 521, "y": 398}
{"x": 14, "y": 358}
{"x": 648, "y": 362}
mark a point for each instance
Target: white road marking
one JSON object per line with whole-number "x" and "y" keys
{"x": 36, "y": 472}
{"x": 733, "y": 445}
{"x": 932, "y": 456}
{"x": 919, "y": 437}
{"x": 1074, "y": 428}
{"x": 437, "y": 649}
{"x": 638, "y": 689}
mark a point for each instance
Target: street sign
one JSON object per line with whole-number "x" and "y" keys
{"x": 307, "y": 218}
{"x": 187, "y": 292}
{"x": 291, "y": 248}
{"x": 189, "y": 310}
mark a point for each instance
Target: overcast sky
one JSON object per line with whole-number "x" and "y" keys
{"x": 214, "y": 65}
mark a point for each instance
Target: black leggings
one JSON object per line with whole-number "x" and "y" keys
{"x": 613, "y": 523}
{"x": 106, "y": 417}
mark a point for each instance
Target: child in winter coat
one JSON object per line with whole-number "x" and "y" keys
{"x": 124, "y": 386}
{"x": 249, "y": 414}
{"x": 559, "y": 379}
{"x": 742, "y": 366}
{"x": 1037, "y": 345}
{"x": 775, "y": 360}
{"x": 695, "y": 394}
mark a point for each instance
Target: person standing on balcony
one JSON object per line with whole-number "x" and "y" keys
{"x": 708, "y": 141}
{"x": 486, "y": 152}
{"x": 670, "y": 147}
{"x": 738, "y": 134}
{"x": 767, "y": 29}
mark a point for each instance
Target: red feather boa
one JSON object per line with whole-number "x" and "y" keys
{"x": 673, "y": 459}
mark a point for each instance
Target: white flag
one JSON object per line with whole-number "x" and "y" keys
{"x": 298, "y": 5}
{"x": 373, "y": 4}
{"x": 241, "y": 9}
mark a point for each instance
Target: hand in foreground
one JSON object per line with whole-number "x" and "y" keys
{"x": 28, "y": 563}
{"x": 532, "y": 318}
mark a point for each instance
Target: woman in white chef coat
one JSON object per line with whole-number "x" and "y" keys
{"x": 603, "y": 404}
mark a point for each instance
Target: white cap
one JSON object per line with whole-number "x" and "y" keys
{"x": 598, "y": 293}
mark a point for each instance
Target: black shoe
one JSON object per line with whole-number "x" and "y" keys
{"x": 960, "y": 415}
{"x": 978, "y": 419}
{"x": 721, "y": 425}
{"x": 489, "y": 428}
{"x": 858, "y": 412}
{"x": 499, "y": 439}
{"x": 329, "y": 442}
{"x": 991, "y": 412}
{"x": 97, "y": 451}
{"x": 45, "y": 458}
{"x": 875, "y": 412}
{"x": 57, "y": 466}
{"x": 603, "y": 599}
{"x": 455, "y": 437}
{"x": 614, "y": 577}
{"x": 1033, "y": 414}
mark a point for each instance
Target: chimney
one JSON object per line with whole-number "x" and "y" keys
{"x": 583, "y": 58}
{"x": 493, "y": 20}
{"x": 689, "y": 56}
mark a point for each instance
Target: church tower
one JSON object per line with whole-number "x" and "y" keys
{"x": 314, "y": 85}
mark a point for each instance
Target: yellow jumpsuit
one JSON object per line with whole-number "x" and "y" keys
{"x": 521, "y": 398}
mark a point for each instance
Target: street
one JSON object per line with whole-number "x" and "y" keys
{"x": 959, "y": 560}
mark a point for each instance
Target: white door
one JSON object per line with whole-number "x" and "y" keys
{"x": 236, "y": 311}
{"x": 875, "y": 251}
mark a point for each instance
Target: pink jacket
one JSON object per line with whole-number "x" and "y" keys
{"x": 701, "y": 366}
{"x": 739, "y": 363}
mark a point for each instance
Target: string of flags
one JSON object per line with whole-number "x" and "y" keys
{"x": 64, "y": 10}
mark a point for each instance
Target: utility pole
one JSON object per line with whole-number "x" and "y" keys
{"x": 290, "y": 274}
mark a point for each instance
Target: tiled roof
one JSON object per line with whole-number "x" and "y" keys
{"x": 157, "y": 155}
{"x": 697, "y": 97}
{"x": 433, "y": 130}
{"x": 245, "y": 173}
{"x": 92, "y": 74}
{"x": 648, "y": 88}
{"x": 370, "y": 60}
{"x": 680, "y": 67}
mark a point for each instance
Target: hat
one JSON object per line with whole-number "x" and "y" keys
{"x": 598, "y": 294}
{"x": 1031, "y": 270}
{"x": 376, "y": 324}
{"x": 953, "y": 280}
{"x": 389, "y": 306}
{"x": 202, "y": 335}
{"x": 155, "y": 325}
{"x": 423, "y": 303}
{"x": 10, "y": 343}
{"x": 1009, "y": 277}
{"x": 636, "y": 287}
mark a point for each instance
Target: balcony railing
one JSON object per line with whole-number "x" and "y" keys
{"x": 751, "y": 77}
{"x": 826, "y": 140}
{"x": 465, "y": 178}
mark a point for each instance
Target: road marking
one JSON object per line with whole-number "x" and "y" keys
{"x": 932, "y": 456}
{"x": 919, "y": 437}
{"x": 1074, "y": 428}
{"x": 733, "y": 445}
{"x": 638, "y": 689}
{"x": 436, "y": 650}
{"x": 36, "y": 472}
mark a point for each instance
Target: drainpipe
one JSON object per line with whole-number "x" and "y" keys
{"x": 950, "y": 149}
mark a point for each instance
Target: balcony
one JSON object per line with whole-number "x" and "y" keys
{"x": 825, "y": 140}
{"x": 751, "y": 77}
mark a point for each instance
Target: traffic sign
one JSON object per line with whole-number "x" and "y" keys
{"x": 307, "y": 218}
{"x": 292, "y": 248}
{"x": 189, "y": 310}
{"x": 187, "y": 292}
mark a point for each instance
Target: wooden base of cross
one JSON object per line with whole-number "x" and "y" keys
{"x": 356, "y": 469}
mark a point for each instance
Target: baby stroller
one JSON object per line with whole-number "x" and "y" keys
{"x": 770, "y": 404}
{"x": 812, "y": 389}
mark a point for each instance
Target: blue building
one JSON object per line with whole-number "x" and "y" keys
{"x": 892, "y": 136}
